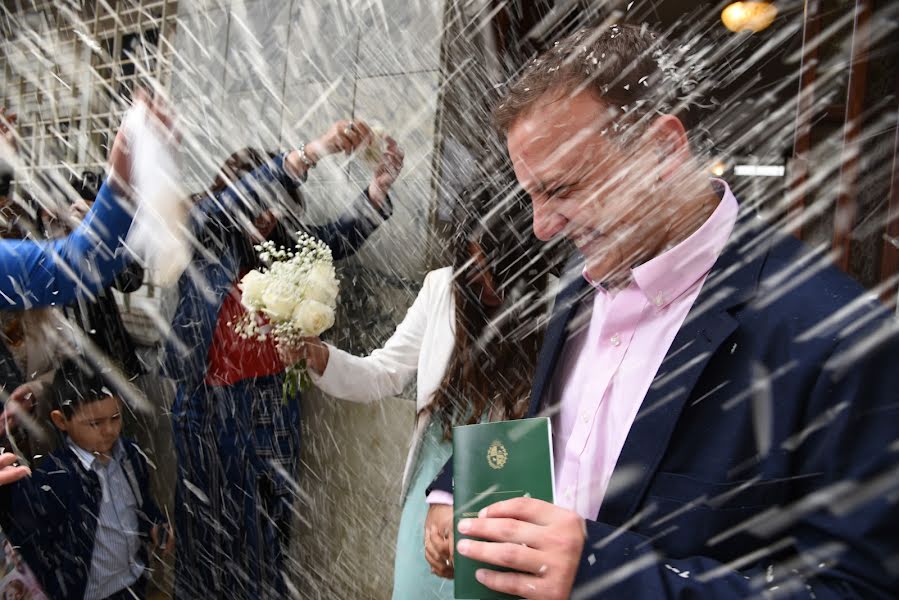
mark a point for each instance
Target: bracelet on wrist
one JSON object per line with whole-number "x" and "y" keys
{"x": 310, "y": 164}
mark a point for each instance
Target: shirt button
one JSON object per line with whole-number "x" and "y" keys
{"x": 585, "y": 417}
{"x": 616, "y": 340}
{"x": 659, "y": 300}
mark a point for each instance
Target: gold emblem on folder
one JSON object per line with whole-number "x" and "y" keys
{"x": 497, "y": 455}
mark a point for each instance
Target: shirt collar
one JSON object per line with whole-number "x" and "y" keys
{"x": 668, "y": 275}
{"x": 87, "y": 458}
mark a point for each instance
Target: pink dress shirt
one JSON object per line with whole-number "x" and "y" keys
{"x": 607, "y": 366}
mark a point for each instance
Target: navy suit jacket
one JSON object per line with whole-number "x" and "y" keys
{"x": 52, "y": 517}
{"x": 766, "y": 452}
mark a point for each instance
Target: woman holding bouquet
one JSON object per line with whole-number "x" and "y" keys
{"x": 470, "y": 339}
{"x": 237, "y": 441}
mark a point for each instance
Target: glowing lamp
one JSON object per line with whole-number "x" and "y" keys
{"x": 748, "y": 16}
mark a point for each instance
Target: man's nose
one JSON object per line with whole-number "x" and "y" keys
{"x": 547, "y": 222}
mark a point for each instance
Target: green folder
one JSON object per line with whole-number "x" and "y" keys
{"x": 493, "y": 462}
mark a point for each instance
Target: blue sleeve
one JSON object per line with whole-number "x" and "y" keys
{"x": 58, "y": 271}
{"x": 218, "y": 215}
{"x": 347, "y": 234}
{"x": 243, "y": 200}
{"x": 444, "y": 480}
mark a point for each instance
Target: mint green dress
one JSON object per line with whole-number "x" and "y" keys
{"x": 412, "y": 577}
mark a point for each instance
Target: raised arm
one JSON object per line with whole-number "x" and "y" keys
{"x": 58, "y": 271}
{"x": 346, "y": 235}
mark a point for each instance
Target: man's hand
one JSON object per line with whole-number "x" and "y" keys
{"x": 119, "y": 156}
{"x": 542, "y": 541}
{"x": 21, "y": 400}
{"x": 310, "y": 349}
{"x": 386, "y": 173}
{"x": 439, "y": 539}
{"x": 10, "y": 473}
{"x": 78, "y": 210}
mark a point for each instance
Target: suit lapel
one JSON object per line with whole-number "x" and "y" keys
{"x": 573, "y": 286}
{"x": 732, "y": 281}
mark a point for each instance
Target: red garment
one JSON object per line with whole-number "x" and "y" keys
{"x": 232, "y": 358}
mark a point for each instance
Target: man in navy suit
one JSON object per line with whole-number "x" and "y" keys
{"x": 725, "y": 405}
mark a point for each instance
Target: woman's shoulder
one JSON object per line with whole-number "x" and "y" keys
{"x": 442, "y": 276}
{"x": 438, "y": 283}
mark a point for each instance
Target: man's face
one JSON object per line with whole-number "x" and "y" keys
{"x": 585, "y": 185}
{"x": 95, "y": 426}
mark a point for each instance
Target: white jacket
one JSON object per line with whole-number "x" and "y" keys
{"x": 421, "y": 345}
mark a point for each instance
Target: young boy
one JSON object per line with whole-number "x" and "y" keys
{"x": 83, "y": 519}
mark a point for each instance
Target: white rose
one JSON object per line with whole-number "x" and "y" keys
{"x": 279, "y": 305}
{"x": 321, "y": 284}
{"x": 252, "y": 286}
{"x": 313, "y": 317}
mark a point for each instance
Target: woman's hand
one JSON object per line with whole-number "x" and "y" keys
{"x": 311, "y": 349}
{"x": 439, "y": 539}
{"x": 343, "y": 136}
{"x": 386, "y": 172}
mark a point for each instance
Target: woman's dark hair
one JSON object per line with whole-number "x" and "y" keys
{"x": 495, "y": 349}
{"x": 240, "y": 164}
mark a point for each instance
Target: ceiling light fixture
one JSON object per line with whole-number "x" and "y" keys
{"x": 748, "y": 16}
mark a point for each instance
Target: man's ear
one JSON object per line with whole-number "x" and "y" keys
{"x": 58, "y": 419}
{"x": 672, "y": 148}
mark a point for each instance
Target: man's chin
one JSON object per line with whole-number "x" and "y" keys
{"x": 602, "y": 270}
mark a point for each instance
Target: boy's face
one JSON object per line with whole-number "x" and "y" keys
{"x": 95, "y": 426}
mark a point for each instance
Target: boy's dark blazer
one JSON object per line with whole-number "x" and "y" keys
{"x": 52, "y": 517}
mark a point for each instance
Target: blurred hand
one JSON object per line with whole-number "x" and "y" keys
{"x": 169, "y": 538}
{"x": 310, "y": 349}
{"x": 7, "y": 133}
{"x": 78, "y": 210}
{"x": 10, "y": 473}
{"x": 439, "y": 539}
{"x": 343, "y": 136}
{"x": 21, "y": 400}
{"x": 119, "y": 158}
{"x": 386, "y": 173}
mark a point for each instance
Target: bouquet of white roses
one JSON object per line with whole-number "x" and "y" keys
{"x": 293, "y": 297}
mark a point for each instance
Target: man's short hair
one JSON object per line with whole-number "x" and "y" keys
{"x": 75, "y": 384}
{"x": 629, "y": 68}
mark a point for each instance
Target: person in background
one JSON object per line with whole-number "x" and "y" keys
{"x": 31, "y": 346}
{"x": 99, "y": 318}
{"x": 470, "y": 340}
{"x": 237, "y": 440}
{"x": 40, "y": 273}
{"x": 84, "y": 519}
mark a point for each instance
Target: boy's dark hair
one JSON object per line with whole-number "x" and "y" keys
{"x": 76, "y": 384}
